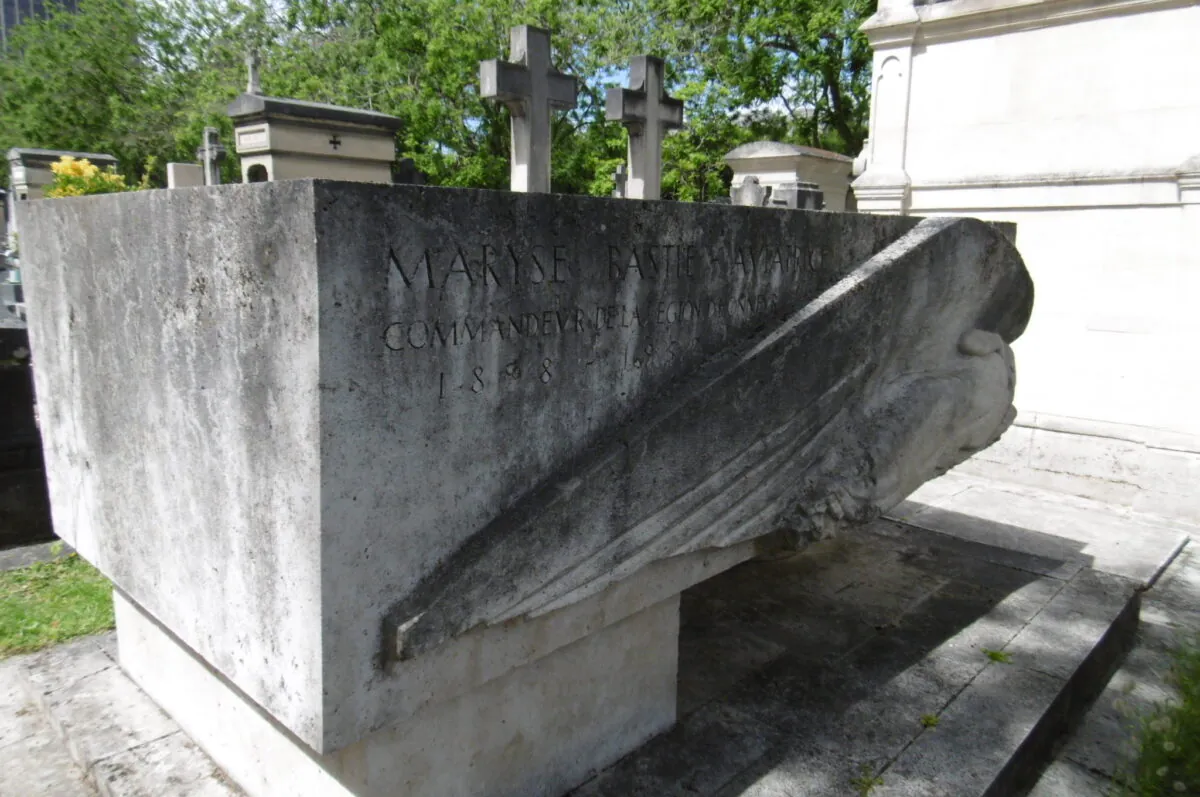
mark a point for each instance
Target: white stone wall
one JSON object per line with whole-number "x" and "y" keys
{"x": 1077, "y": 123}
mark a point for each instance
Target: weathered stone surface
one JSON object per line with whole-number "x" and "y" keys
{"x": 535, "y": 732}
{"x": 310, "y": 426}
{"x": 761, "y": 438}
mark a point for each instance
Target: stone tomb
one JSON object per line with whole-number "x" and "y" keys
{"x": 399, "y": 485}
{"x": 286, "y": 139}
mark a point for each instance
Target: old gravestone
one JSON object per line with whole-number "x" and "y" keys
{"x": 416, "y": 470}
{"x": 399, "y": 485}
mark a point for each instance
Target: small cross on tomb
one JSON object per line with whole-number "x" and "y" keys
{"x": 335, "y": 142}
{"x": 530, "y": 87}
{"x": 211, "y": 154}
{"x": 619, "y": 178}
{"x": 647, "y": 112}
{"x": 252, "y": 84}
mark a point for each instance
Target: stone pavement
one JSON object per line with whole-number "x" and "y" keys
{"x": 73, "y": 725}
{"x": 1100, "y": 747}
{"x": 863, "y": 657}
{"x": 25, "y": 555}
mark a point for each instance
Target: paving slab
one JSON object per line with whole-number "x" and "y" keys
{"x": 1068, "y": 779}
{"x": 84, "y": 728}
{"x": 976, "y": 736}
{"x": 171, "y": 765}
{"x": 34, "y": 762}
{"x": 833, "y": 708}
{"x": 25, "y": 555}
{"x": 795, "y": 675}
{"x": 1100, "y": 748}
{"x": 105, "y": 714}
{"x": 1077, "y": 531}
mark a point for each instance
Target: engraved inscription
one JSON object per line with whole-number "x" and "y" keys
{"x": 507, "y": 265}
{"x": 667, "y": 295}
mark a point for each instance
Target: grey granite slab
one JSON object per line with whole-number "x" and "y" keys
{"x": 319, "y": 429}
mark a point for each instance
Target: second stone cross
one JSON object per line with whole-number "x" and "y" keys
{"x": 647, "y": 112}
{"x": 530, "y": 86}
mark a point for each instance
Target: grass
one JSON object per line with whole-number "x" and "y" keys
{"x": 929, "y": 720}
{"x": 51, "y": 602}
{"x": 1168, "y": 743}
{"x": 998, "y": 656}
{"x": 866, "y": 781}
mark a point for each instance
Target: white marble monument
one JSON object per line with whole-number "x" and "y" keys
{"x": 399, "y": 486}
{"x": 531, "y": 88}
{"x": 647, "y": 113}
{"x": 776, "y": 165}
{"x": 1079, "y": 123}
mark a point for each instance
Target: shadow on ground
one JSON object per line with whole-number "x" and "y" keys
{"x": 799, "y": 674}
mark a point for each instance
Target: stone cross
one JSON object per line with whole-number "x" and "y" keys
{"x": 211, "y": 154}
{"x": 530, "y": 87}
{"x": 619, "y": 178}
{"x": 647, "y": 112}
{"x": 252, "y": 84}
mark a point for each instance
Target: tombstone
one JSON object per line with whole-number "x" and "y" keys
{"x": 777, "y": 165}
{"x": 184, "y": 175}
{"x": 647, "y": 113}
{"x": 619, "y": 180}
{"x": 797, "y": 196}
{"x": 531, "y": 88}
{"x": 211, "y": 155}
{"x": 400, "y": 485}
{"x": 749, "y": 193}
{"x": 285, "y": 139}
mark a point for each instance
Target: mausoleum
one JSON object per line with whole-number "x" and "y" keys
{"x": 286, "y": 139}
{"x": 777, "y": 165}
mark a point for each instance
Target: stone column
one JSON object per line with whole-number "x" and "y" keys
{"x": 884, "y": 186}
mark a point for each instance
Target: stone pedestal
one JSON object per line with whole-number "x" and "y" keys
{"x": 536, "y": 729}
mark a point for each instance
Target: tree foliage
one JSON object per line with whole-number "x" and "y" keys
{"x": 141, "y": 78}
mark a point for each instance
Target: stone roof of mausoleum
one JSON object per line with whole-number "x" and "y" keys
{"x": 776, "y": 149}
{"x": 34, "y": 155}
{"x": 249, "y": 107}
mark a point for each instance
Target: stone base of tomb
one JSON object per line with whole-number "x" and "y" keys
{"x": 537, "y": 730}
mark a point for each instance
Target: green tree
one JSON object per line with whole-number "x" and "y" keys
{"x": 142, "y": 78}
{"x": 138, "y": 80}
{"x": 419, "y": 60}
{"x": 804, "y": 57}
